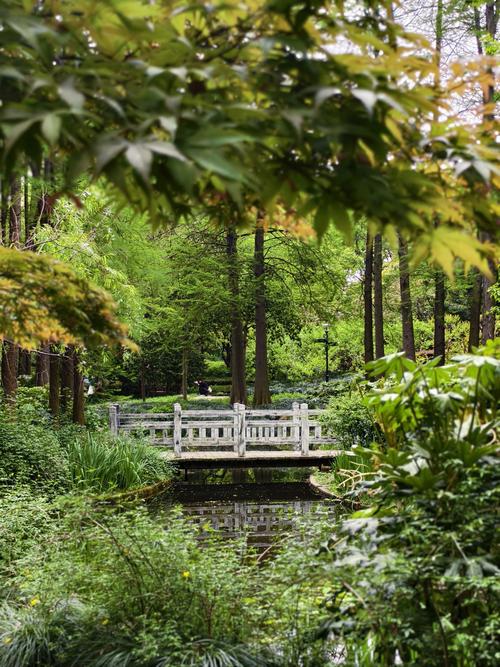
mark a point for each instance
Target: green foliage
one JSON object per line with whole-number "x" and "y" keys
{"x": 43, "y": 300}
{"x": 99, "y": 463}
{"x": 166, "y": 403}
{"x": 48, "y": 458}
{"x": 167, "y": 140}
{"x": 350, "y": 420}
{"x": 31, "y": 405}
{"x": 25, "y": 519}
{"x": 30, "y": 454}
{"x": 216, "y": 369}
{"x": 123, "y": 589}
{"x": 419, "y": 568}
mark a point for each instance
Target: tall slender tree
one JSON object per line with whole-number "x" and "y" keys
{"x": 406, "y": 305}
{"x": 54, "y": 381}
{"x": 378, "y": 304}
{"x": 238, "y": 375}
{"x": 42, "y": 366}
{"x": 439, "y": 279}
{"x": 24, "y": 362}
{"x": 475, "y": 310}
{"x": 78, "y": 412}
{"x": 15, "y": 212}
{"x": 439, "y": 312}
{"x": 184, "y": 372}
{"x": 11, "y": 216}
{"x": 262, "y": 395}
{"x": 4, "y": 211}
{"x": 368, "y": 299}
{"x": 67, "y": 362}
{"x": 488, "y": 27}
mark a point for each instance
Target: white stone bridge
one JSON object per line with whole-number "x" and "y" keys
{"x": 232, "y": 438}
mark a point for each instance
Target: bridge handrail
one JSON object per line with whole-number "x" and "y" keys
{"x": 235, "y": 427}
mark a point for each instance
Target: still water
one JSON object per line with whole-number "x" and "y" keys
{"x": 260, "y": 504}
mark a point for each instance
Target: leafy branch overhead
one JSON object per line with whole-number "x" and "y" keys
{"x": 43, "y": 300}
{"x": 306, "y": 106}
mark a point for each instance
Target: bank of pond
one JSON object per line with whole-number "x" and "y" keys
{"x": 220, "y": 569}
{"x": 110, "y": 557}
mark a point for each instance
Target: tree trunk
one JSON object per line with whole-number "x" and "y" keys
{"x": 439, "y": 330}
{"x": 42, "y": 200}
{"x": 406, "y": 308}
{"x": 142, "y": 380}
{"x": 368, "y": 300}
{"x": 238, "y": 377}
{"x": 491, "y": 17}
{"x": 15, "y": 212}
{"x": 184, "y": 381}
{"x": 54, "y": 382}
{"x": 4, "y": 212}
{"x": 67, "y": 377}
{"x": 26, "y": 207}
{"x": 42, "y": 367}
{"x": 488, "y": 329}
{"x": 226, "y": 354}
{"x": 377, "y": 297}
{"x": 78, "y": 392}
{"x": 10, "y": 356}
{"x": 24, "y": 362}
{"x": 439, "y": 285}
{"x": 475, "y": 311}
{"x": 262, "y": 395}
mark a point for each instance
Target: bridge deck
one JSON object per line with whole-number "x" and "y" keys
{"x": 253, "y": 459}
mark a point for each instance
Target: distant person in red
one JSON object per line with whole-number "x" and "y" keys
{"x": 204, "y": 388}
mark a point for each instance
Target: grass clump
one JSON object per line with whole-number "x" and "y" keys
{"x": 47, "y": 459}
{"x": 99, "y": 462}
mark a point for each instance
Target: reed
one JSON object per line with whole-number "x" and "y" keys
{"x": 100, "y": 463}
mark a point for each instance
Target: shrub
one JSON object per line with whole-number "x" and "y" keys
{"x": 351, "y": 421}
{"x": 99, "y": 462}
{"x": 30, "y": 455}
{"x": 123, "y": 590}
{"x": 24, "y": 520}
{"x": 128, "y": 588}
{"x": 419, "y": 568}
{"x": 31, "y": 405}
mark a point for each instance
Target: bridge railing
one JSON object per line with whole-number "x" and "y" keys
{"x": 238, "y": 429}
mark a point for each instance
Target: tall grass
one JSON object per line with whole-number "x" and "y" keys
{"x": 99, "y": 462}
{"x": 348, "y": 471}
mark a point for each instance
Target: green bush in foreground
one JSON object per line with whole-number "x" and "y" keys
{"x": 120, "y": 588}
{"x": 416, "y": 575}
{"x": 350, "y": 420}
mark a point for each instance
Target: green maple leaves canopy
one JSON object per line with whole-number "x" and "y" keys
{"x": 311, "y": 106}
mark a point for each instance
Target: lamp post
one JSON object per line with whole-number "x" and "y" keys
{"x": 327, "y": 343}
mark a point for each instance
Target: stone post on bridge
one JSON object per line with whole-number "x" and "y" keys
{"x": 114, "y": 410}
{"x": 177, "y": 429}
{"x": 296, "y": 425}
{"x": 240, "y": 429}
{"x": 304, "y": 428}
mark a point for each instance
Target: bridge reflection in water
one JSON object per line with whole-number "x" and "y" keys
{"x": 259, "y": 510}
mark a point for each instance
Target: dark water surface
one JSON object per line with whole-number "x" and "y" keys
{"x": 261, "y": 504}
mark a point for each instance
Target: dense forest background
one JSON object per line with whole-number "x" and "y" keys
{"x": 240, "y": 295}
{"x": 224, "y": 191}
{"x": 173, "y": 291}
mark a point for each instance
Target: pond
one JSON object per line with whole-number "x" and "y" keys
{"x": 260, "y": 504}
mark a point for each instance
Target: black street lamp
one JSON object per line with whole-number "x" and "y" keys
{"x": 327, "y": 343}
